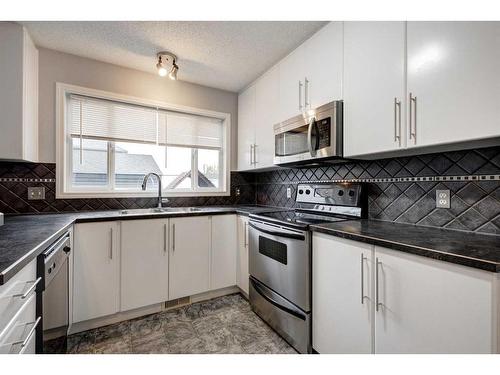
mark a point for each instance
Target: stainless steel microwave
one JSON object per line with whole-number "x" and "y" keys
{"x": 311, "y": 137}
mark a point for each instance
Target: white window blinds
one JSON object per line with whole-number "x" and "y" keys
{"x": 104, "y": 119}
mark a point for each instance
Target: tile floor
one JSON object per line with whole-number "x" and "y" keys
{"x": 221, "y": 325}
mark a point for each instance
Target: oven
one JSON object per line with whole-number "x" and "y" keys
{"x": 280, "y": 280}
{"x": 307, "y": 138}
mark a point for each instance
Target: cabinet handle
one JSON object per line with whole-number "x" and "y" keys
{"x": 306, "y": 93}
{"x": 111, "y": 243}
{"x": 31, "y": 332}
{"x": 165, "y": 238}
{"x": 31, "y": 288}
{"x": 362, "y": 278}
{"x": 251, "y": 154}
{"x": 377, "y": 303}
{"x": 397, "y": 120}
{"x": 255, "y": 154}
{"x": 413, "y": 116}
{"x": 246, "y": 234}
{"x": 300, "y": 96}
{"x": 173, "y": 237}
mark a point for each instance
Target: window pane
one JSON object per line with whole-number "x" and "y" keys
{"x": 90, "y": 168}
{"x": 208, "y": 168}
{"x": 134, "y": 160}
{"x": 178, "y": 171}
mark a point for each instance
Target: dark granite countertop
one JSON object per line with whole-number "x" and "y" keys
{"x": 24, "y": 237}
{"x": 475, "y": 250}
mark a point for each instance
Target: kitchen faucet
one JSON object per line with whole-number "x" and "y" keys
{"x": 145, "y": 182}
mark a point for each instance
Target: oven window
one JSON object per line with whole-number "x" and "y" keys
{"x": 273, "y": 249}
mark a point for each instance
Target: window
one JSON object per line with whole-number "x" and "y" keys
{"x": 110, "y": 143}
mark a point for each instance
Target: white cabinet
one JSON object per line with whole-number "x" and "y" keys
{"x": 292, "y": 71}
{"x": 454, "y": 74}
{"x": 341, "y": 307}
{"x": 18, "y": 94}
{"x": 189, "y": 262}
{"x": 412, "y": 304}
{"x": 144, "y": 263}
{"x": 428, "y": 306}
{"x": 242, "y": 256}
{"x": 324, "y": 53}
{"x": 246, "y": 128}
{"x": 374, "y": 87}
{"x": 224, "y": 249}
{"x": 96, "y": 274}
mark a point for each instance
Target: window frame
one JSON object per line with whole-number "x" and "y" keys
{"x": 64, "y": 190}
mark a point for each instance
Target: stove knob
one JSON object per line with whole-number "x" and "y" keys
{"x": 301, "y": 191}
{"x": 341, "y": 192}
{"x": 351, "y": 193}
{"x": 308, "y": 192}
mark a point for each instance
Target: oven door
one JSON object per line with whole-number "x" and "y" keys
{"x": 280, "y": 258}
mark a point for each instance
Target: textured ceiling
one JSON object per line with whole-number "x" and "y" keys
{"x": 227, "y": 55}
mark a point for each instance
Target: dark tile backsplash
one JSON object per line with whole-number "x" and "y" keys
{"x": 399, "y": 189}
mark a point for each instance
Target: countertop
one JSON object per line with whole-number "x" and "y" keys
{"x": 470, "y": 249}
{"x": 24, "y": 237}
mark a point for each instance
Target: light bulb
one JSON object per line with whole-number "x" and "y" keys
{"x": 161, "y": 70}
{"x": 173, "y": 72}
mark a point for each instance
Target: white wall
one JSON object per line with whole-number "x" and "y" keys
{"x": 62, "y": 67}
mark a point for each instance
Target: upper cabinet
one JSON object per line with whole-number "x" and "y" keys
{"x": 454, "y": 81}
{"x": 18, "y": 94}
{"x": 308, "y": 77}
{"x": 374, "y": 87}
{"x": 420, "y": 84}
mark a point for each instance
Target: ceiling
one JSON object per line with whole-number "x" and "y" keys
{"x": 226, "y": 55}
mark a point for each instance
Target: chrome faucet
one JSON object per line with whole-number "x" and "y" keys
{"x": 145, "y": 182}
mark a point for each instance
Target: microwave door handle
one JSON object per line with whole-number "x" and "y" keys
{"x": 312, "y": 148}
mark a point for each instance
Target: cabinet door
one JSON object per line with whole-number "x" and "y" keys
{"x": 242, "y": 258}
{"x": 267, "y": 115}
{"x": 342, "y": 295}
{"x": 246, "y": 128}
{"x": 454, "y": 72}
{"x": 144, "y": 263}
{"x": 189, "y": 256}
{"x": 224, "y": 249}
{"x": 30, "y": 99}
{"x": 96, "y": 275}
{"x": 429, "y": 306}
{"x": 374, "y": 77}
{"x": 292, "y": 74}
{"x": 325, "y": 54}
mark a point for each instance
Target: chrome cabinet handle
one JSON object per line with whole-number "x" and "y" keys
{"x": 397, "y": 120}
{"x": 111, "y": 243}
{"x": 31, "y": 332}
{"x": 251, "y": 154}
{"x": 173, "y": 237}
{"x": 377, "y": 282}
{"x": 300, "y": 96}
{"x": 31, "y": 289}
{"x": 363, "y": 278}
{"x": 306, "y": 93}
{"x": 413, "y": 116}
{"x": 165, "y": 238}
{"x": 246, "y": 234}
{"x": 255, "y": 154}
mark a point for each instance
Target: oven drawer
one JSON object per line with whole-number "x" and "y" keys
{"x": 293, "y": 324}
{"x": 281, "y": 259}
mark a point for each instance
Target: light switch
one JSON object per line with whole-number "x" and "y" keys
{"x": 442, "y": 199}
{"x": 36, "y": 193}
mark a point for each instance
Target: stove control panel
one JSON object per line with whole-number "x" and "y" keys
{"x": 341, "y": 194}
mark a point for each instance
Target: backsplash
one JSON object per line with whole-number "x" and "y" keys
{"x": 404, "y": 189}
{"x": 15, "y": 178}
{"x": 399, "y": 189}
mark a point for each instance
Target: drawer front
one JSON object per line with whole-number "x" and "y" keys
{"x": 19, "y": 336}
{"x": 14, "y": 297}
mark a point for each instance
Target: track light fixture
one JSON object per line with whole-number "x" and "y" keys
{"x": 167, "y": 64}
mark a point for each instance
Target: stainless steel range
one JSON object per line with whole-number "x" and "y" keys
{"x": 280, "y": 256}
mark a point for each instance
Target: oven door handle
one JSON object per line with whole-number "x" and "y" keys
{"x": 278, "y": 233}
{"x": 290, "y": 310}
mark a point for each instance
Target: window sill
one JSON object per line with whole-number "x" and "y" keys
{"x": 129, "y": 194}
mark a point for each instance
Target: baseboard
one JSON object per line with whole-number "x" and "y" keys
{"x": 152, "y": 309}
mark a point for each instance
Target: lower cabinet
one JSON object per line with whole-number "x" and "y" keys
{"x": 242, "y": 273}
{"x": 144, "y": 263}
{"x": 371, "y": 299}
{"x": 223, "y": 260}
{"x": 189, "y": 265}
{"x": 96, "y": 270}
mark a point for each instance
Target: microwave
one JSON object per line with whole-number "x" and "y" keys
{"x": 314, "y": 136}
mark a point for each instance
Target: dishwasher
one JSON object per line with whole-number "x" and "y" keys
{"x": 53, "y": 296}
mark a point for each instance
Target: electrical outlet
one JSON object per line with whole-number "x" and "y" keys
{"x": 442, "y": 199}
{"x": 237, "y": 191}
{"x": 288, "y": 192}
{"x": 36, "y": 193}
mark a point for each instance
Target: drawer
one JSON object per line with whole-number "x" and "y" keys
{"x": 14, "y": 296}
{"x": 19, "y": 335}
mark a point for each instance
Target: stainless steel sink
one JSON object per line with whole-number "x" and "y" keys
{"x": 157, "y": 210}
